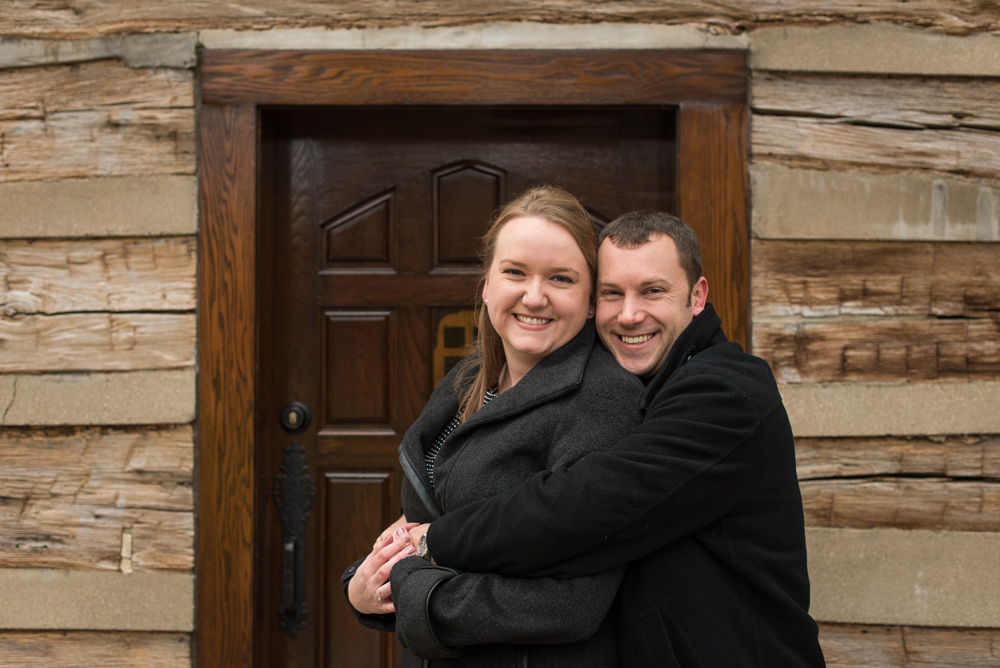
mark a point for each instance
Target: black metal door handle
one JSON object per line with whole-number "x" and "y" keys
{"x": 294, "y": 492}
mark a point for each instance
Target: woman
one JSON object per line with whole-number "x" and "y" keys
{"x": 538, "y": 392}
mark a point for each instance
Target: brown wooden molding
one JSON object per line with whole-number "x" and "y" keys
{"x": 474, "y": 77}
{"x": 226, "y": 385}
{"x": 712, "y": 186}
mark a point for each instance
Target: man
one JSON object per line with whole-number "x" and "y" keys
{"x": 701, "y": 500}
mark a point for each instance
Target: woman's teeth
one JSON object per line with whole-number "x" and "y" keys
{"x": 532, "y": 321}
{"x": 636, "y": 339}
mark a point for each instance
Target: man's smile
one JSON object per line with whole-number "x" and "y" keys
{"x": 641, "y": 338}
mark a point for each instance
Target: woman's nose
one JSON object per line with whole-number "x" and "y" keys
{"x": 534, "y": 296}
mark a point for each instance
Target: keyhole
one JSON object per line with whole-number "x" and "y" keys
{"x": 294, "y": 417}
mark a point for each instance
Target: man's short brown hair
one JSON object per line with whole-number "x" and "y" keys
{"x": 632, "y": 230}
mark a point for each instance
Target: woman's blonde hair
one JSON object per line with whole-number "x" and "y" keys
{"x": 549, "y": 203}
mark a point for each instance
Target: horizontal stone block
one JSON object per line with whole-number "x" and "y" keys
{"x": 97, "y": 498}
{"x": 795, "y": 203}
{"x": 134, "y": 397}
{"x": 40, "y": 599}
{"x": 891, "y": 576}
{"x": 887, "y": 409}
{"x": 137, "y": 274}
{"x": 110, "y": 649}
{"x": 876, "y": 49}
{"x": 157, "y": 50}
{"x": 100, "y": 207}
{"x": 499, "y": 35}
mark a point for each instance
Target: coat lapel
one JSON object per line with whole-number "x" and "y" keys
{"x": 558, "y": 374}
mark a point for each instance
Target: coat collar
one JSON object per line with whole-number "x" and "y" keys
{"x": 557, "y": 374}
{"x": 704, "y": 332}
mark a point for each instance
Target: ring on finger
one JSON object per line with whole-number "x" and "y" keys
{"x": 379, "y": 598}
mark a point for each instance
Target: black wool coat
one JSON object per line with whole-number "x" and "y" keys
{"x": 701, "y": 501}
{"x": 576, "y": 401}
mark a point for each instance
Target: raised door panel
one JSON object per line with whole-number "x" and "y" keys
{"x": 466, "y": 196}
{"x": 358, "y": 364}
{"x": 355, "y": 504}
{"x": 363, "y": 235}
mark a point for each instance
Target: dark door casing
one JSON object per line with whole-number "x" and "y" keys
{"x": 342, "y": 195}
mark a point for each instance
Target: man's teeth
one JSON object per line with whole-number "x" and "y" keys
{"x": 636, "y": 339}
{"x": 532, "y": 321}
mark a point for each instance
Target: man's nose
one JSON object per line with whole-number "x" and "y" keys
{"x": 534, "y": 295}
{"x": 631, "y": 314}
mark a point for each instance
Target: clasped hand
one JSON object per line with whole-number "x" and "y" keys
{"x": 369, "y": 589}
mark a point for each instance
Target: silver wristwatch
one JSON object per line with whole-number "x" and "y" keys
{"x": 422, "y": 549}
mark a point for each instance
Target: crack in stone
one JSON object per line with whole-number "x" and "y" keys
{"x": 13, "y": 396}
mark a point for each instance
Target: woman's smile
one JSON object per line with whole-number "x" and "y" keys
{"x": 531, "y": 321}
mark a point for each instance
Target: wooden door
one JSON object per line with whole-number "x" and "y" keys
{"x": 336, "y": 244}
{"x": 370, "y": 226}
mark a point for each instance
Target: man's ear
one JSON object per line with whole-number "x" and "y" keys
{"x": 699, "y": 296}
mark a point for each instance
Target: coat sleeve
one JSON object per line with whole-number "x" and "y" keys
{"x": 685, "y": 466}
{"x": 440, "y": 612}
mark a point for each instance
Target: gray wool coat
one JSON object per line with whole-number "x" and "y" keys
{"x": 575, "y": 401}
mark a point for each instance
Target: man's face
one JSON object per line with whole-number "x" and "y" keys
{"x": 643, "y": 302}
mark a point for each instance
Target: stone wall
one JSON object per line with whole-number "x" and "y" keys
{"x": 875, "y": 189}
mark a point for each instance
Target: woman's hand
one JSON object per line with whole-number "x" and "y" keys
{"x": 369, "y": 590}
{"x": 391, "y": 529}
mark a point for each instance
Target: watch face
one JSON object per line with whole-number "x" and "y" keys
{"x": 422, "y": 546}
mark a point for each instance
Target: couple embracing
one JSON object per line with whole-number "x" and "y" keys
{"x": 568, "y": 503}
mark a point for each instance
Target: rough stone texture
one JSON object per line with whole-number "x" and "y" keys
{"x": 55, "y": 599}
{"x": 794, "y": 203}
{"x": 83, "y": 649}
{"x": 891, "y": 576}
{"x": 134, "y": 397}
{"x": 499, "y": 35}
{"x": 877, "y": 49}
{"x": 874, "y": 409}
{"x": 77, "y": 19}
{"x": 100, "y": 207}
{"x": 163, "y": 50}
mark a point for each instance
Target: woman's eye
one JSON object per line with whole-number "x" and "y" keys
{"x": 513, "y": 272}
{"x": 562, "y": 279}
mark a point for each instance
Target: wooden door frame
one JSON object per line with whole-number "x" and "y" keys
{"x": 709, "y": 87}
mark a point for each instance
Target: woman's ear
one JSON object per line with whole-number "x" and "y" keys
{"x": 486, "y": 289}
{"x": 590, "y": 311}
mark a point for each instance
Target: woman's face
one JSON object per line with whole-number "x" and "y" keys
{"x": 537, "y": 290}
